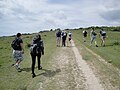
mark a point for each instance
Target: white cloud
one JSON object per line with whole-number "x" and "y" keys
{"x": 36, "y": 15}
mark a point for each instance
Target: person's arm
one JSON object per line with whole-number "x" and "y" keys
{"x": 90, "y": 34}
{"x": 56, "y": 34}
{"x": 42, "y": 48}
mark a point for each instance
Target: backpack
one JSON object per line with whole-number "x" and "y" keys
{"x": 37, "y": 47}
{"x": 103, "y": 33}
{"x": 58, "y": 34}
{"x": 15, "y": 44}
{"x": 94, "y": 33}
{"x": 85, "y": 33}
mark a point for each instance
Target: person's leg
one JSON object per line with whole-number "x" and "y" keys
{"x": 65, "y": 42}
{"x": 84, "y": 39}
{"x": 91, "y": 41}
{"x": 39, "y": 62}
{"x": 103, "y": 41}
{"x": 19, "y": 58}
{"x": 33, "y": 64}
{"x": 70, "y": 40}
{"x": 95, "y": 42}
{"x": 62, "y": 41}
{"x": 59, "y": 39}
{"x": 17, "y": 64}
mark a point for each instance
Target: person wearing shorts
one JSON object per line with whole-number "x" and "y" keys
{"x": 69, "y": 37}
{"x": 103, "y": 36}
{"x": 84, "y": 35}
{"x": 18, "y": 52}
{"x": 93, "y": 37}
{"x": 58, "y": 37}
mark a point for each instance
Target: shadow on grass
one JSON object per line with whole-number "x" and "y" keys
{"x": 49, "y": 73}
{"x": 26, "y": 69}
{"x": 106, "y": 45}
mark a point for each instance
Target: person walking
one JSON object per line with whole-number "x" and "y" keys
{"x": 64, "y": 36}
{"x": 36, "y": 50}
{"x": 84, "y": 35}
{"x": 69, "y": 37}
{"x": 103, "y": 36}
{"x": 58, "y": 37}
{"x": 18, "y": 50}
{"x": 93, "y": 37}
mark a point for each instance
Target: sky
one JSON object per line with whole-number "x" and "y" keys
{"x": 28, "y": 16}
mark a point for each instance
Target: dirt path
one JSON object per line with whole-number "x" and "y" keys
{"x": 70, "y": 72}
{"x": 91, "y": 80}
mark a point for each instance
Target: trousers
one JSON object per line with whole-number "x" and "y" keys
{"x": 34, "y": 61}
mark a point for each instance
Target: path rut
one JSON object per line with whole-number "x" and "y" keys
{"x": 73, "y": 73}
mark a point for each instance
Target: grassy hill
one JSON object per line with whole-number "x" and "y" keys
{"x": 110, "y": 52}
{"x": 10, "y": 79}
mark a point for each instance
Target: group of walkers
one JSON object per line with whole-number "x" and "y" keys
{"x": 61, "y": 36}
{"x": 36, "y": 50}
{"x": 37, "y": 46}
{"x": 93, "y": 35}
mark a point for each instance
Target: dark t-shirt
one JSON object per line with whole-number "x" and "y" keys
{"x": 39, "y": 48}
{"x": 85, "y": 34}
{"x": 19, "y": 41}
{"x": 58, "y": 34}
{"x": 102, "y": 33}
{"x": 64, "y": 35}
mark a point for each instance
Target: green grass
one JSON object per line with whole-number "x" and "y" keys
{"x": 110, "y": 52}
{"x": 10, "y": 79}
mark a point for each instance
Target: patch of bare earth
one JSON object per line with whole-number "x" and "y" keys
{"x": 69, "y": 77}
{"x": 92, "y": 82}
{"x": 71, "y": 72}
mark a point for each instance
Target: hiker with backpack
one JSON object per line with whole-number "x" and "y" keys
{"x": 18, "y": 50}
{"x": 84, "y": 35}
{"x": 103, "y": 36}
{"x": 58, "y": 37}
{"x": 36, "y": 50}
{"x": 93, "y": 35}
{"x": 69, "y": 37}
{"x": 64, "y": 36}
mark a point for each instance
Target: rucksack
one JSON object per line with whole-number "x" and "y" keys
{"x": 37, "y": 47}
{"x": 94, "y": 33}
{"x": 15, "y": 44}
{"x": 103, "y": 33}
{"x": 58, "y": 34}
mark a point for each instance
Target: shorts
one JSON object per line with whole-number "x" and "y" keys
{"x": 93, "y": 38}
{"x": 58, "y": 38}
{"x": 85, "y": 35}
{"x": 69, "y": 39}
{"x": 103, "y": 37}
{"x": 17, "y": 55}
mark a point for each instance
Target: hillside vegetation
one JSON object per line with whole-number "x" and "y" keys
{"x": 10, "y": 79}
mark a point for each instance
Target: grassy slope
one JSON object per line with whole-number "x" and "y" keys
{"x": 10, "y": 79}
{"x": 110, "y": 52}
{"x": 107, "y": 74}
